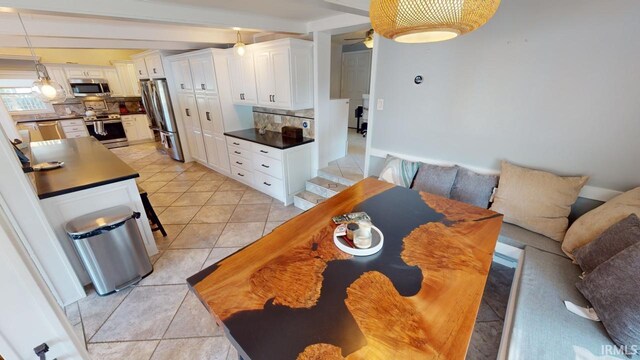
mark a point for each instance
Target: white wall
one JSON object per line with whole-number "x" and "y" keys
{"x": 336, "y": 69}
{"x": 546, "y": 84}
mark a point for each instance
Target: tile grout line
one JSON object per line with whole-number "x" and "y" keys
{"x": 108, "y": 317}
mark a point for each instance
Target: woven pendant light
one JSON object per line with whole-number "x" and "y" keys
{"x": 417, "y": 21}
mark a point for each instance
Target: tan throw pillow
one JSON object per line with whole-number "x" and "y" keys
{"x": 592, "y": 224}
{"x": 537, "y": 200}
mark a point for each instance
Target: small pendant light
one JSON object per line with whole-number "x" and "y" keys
{"x": 44, "y": 88}
{"x": 239, "y": 46}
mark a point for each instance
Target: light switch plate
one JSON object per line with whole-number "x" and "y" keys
{"x": 277, "y": 119}
{"x": 380, "y": 104}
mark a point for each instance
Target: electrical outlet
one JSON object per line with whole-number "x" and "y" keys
{"x": 380, "y": 104}
{"x": 277, "y": 119}
{"x": 305, "y": 124}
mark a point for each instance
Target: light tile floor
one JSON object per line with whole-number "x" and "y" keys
{"x": 207, "y": 217}
{"x": 351, "y": 166}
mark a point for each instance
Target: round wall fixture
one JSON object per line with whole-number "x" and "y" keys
{"x": 418, "y": 79}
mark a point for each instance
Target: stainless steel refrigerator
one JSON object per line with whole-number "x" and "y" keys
{"x": 157, "y": 102}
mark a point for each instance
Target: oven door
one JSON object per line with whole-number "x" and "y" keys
{"x": 114, "y": 134}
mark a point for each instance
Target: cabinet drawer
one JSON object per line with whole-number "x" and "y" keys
{"x": 267, "y": 151}
{"x": 269, "y": 185}
{"x": 267, "y": 165}
{"x": 243, "y": 144}
{"x": 75, "y": 134}
{"x": 242, "y": 175}
{"x": 234, "y": 150}
{"x": 69, "y": 129}
{"x": 75, "y": 122}
{"x": 240, "y": 162}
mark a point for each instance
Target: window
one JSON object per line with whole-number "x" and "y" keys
{"x": 21, "y": 100}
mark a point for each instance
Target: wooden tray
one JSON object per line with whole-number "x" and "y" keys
{"x": 377, "y": 241}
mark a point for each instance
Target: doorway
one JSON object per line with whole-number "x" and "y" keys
{"x": 350, "y": 82}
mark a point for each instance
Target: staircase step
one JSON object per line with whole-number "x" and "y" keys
{"x": 335, "y": 178}
{"x": 305, "y": 200}
{"x": 324, "y": 187}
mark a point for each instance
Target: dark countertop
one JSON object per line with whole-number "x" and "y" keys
{"x": 133, "y": 113}
{"x": 51, "y": 118}
{"x": 270, "y": 138}
{"x": 87, "y": 164}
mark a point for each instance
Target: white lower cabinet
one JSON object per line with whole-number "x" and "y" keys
{"x": 275, "y": 172}
{"x": 137, "y": 128}
{"x": 74, "y": 129}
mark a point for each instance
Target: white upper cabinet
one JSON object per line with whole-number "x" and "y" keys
{"x": 85, "y": 73}
{"x": 182, "y": 75}
{"x": 141, "y": 68}
{"x": 284, "y": 74}
{"x": 154, "y": 66}
{"x": 59, "y": 75}
{"x": 128, "y": 80}
{"x": 149, "y": 65}
{"x": 115, "y": 85}
{"x": 203, "y": 74}
{"x": 243, "y": 79}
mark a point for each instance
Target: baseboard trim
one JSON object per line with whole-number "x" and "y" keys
{"x": 588, "y": 192}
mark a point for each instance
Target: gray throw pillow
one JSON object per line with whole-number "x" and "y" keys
{"x": 613, "y": 240}
{"x": 435, "y": 179}
{"x": 613, "y": 289}
{"x": 473, "y": 188}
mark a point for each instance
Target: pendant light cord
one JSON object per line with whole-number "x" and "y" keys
{"x": 28, "y": 39}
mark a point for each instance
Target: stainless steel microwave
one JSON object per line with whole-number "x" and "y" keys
{"x": 90, "y": 87}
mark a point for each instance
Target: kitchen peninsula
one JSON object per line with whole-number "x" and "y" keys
{"x": 92, "y": 179}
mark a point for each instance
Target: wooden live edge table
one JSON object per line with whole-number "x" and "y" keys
{"x": 294, "y": 295}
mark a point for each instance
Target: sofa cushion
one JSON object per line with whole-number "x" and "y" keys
{"x": 615, "y": 239}
{"x": 536, "y": 200}
{"x": 435, "y": 179}
{"x": 473, "y": 188}
{"x": 398, "y": 171}
{"x": 541, "y": 327}
{"x": 590, "y": 225}
{"x": 518, "y": 237}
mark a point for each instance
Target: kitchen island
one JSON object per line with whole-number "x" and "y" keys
{"x": 92, "y": 179}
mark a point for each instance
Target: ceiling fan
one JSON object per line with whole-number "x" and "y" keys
{"x": 367, "y": 40}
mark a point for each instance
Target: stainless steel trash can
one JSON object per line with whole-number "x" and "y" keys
{"x": 111, "y": 248}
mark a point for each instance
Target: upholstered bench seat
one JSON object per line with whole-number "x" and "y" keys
{"x": 539, "y": 325}
{"x": 518, "y": 237}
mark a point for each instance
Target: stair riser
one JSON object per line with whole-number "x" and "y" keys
{"x": 302, "y": 204}
{"x": 335, "y": 178}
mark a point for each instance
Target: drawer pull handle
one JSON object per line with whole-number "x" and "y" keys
{"x": 154, "y": 71}
{"x": 235, "y": 143}
{"x": 266, "y": 183}
{"x": 238, "y": 162}
{"x": 188, "y": 112}
{"x": 203, "y": 86}
{"x": 264, "y": 152}
{"x": 182, "y": 86}
{"x": 208, "y": 116}
{"x": 238, "y": 152}
{"x": 240, "y": 174}
{"x": 265, "y": 166}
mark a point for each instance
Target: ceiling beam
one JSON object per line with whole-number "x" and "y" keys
{"x": 157, "y": 12}
{"x": 339, "y": 24}
{"x": 356, "y": 7}
{"x": 64, "y": 27}
{"x": 13, "y": 41}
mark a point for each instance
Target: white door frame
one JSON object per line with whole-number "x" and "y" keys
{"x": 342, "y": 76}
{"x": 30, "y": 314}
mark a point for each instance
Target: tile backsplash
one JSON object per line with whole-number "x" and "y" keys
{"x": 77, "y": 108}
{"x": 264, "y": 117}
